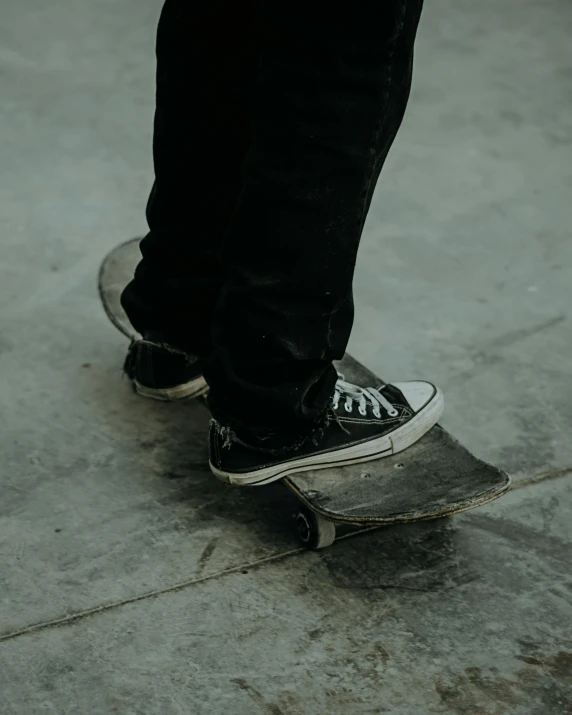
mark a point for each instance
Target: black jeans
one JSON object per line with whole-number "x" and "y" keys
{"x": 273, "y": 121}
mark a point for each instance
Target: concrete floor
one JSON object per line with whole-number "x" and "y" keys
{"x": 131, "y": 582}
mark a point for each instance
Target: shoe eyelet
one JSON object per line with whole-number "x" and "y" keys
{"x": 348, "y": 407}
{"x": 393, "y": 412}
{"x": 362, "y": 411}
{"x": 377, "y": 414}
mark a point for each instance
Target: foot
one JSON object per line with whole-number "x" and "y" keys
{"x": 163, "y": 373}
{"x": 364, "y": 424}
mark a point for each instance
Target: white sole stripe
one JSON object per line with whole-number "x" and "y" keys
{"x": 193, "y": 388}
{"x": 388, "y": 444}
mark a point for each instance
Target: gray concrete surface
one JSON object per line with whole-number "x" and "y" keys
{"x": 131, "y": 582}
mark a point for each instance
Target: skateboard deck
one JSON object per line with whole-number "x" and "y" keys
{"x": 435, "y": 477}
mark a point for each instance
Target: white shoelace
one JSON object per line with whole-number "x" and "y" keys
{"x": 362, "y": 396}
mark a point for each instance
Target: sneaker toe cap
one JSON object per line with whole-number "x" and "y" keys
{"x": 417, "y": 393}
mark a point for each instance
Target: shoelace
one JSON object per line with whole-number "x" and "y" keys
{"x": 362, "y": 396}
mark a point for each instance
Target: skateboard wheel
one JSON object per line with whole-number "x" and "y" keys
{"x": 314, "y": 531}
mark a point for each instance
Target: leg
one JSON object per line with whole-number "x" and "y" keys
{"x": 206, "y": 60}
{"x": 329, "y": 97}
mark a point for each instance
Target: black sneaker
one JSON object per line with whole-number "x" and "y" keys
{"x": 364, "y": 424}
{"x": 162, "y": 372}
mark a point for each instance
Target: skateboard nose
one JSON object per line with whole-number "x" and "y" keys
{"x": 417, "y": 393}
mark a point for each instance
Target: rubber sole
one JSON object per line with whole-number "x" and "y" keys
{"x": 187, "y": 391}
{"x": 384, "y": 446}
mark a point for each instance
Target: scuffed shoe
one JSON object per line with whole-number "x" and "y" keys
{"x": 163, "y": 373}
{"x": 363, "y": 424}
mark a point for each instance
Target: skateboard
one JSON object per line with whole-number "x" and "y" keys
{"x": 435, "y": 477}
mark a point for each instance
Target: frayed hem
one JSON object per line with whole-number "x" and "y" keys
{"x": 191, "y": 358}
{"x": 229, "y": 437}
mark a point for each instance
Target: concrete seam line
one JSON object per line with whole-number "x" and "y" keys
{"x": 536, "y": 479}
{"x": 64, "y": 620}
{"x": 541, "y": 477}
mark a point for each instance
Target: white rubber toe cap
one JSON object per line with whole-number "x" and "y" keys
{"x": 417, "y": 393}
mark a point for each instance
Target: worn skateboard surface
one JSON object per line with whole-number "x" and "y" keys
{"x": 115, "y": 273}
{"x": 435, "y": 477}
